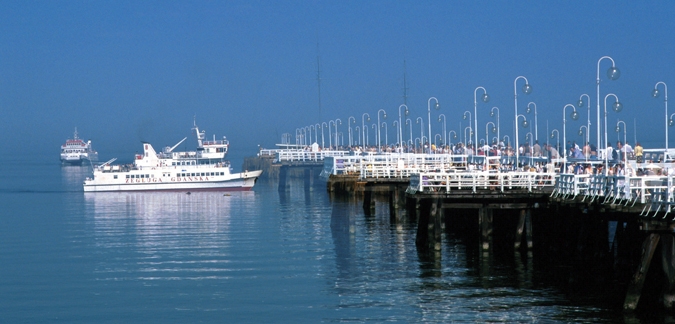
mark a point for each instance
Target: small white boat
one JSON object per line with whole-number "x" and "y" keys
{"x": 75, "y": 151}
{"x": 203, "y": 169}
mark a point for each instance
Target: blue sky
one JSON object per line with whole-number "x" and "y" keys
{"x": 126, "y": 71}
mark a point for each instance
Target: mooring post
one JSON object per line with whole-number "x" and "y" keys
{"x": 635, "y": 286}
{"x": 283, "y": 174}
{"x": 485, "y": 221}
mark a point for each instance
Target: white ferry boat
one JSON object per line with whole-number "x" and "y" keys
{"x": 75, "y": 151}
{"x": 203, "y": 169}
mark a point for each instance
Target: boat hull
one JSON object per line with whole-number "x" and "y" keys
{"x": 237, "y": 182}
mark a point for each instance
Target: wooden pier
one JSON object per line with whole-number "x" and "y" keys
{"x": 555, "y": 213}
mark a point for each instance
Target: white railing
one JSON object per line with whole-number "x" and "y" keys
{"x": 613, "y": 189}
{"x": 479, "y": 180}
{"x": 306, "y": 156}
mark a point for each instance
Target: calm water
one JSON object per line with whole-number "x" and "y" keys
{"x": 261, "y": 256}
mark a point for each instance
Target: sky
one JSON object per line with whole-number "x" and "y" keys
{"x": 129, "y": 71}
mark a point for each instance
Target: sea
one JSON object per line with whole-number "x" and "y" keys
{"x": 264, "y": 256}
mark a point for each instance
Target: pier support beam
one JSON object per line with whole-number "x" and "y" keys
{"x": 668, "y": 262}
{"x": 309, "y": 179}
{"x": 394, "y": 205}
{"x": 524, "y": 225}
{"x": 368, "y": 202}
{"x": 636, "y": 284}
{"x": 429, "y": 226}
{"x": 283, "y": 178}
{"x": 485, "y": 223}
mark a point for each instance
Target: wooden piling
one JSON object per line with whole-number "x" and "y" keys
{"x": 485, "y": 223}
{"x": 636, "y": 284}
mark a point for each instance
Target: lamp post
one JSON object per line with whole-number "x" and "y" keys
{"x": 409, "y": 122}
{"x": 379, "y": 139}
{"x": 556, "y": 136}
{"x": 445, "y": 137}
{"x": 363, "y": 129}
{"x": 588, "y": 122}
{"x": 304, "y": 135}
{"x": 494, "y": 130}
{"x": 617, "y": 107}
{"x": 338, "y": 120}
{"x": 485, "y": 98}
{"x": 655, "y": 94}
{"x": 358, "y": 132}
{"x": 583, "y": 128}
{"x": 492, "y": 114}
{"x": 467, "y": 140}
{"x": 574, "y": 116}
{"x": 435, "y": 137}
{"x": 349, "y": 123}
{"x": 527, "y": 89}
{"x": 420, "y": 121}
{"x": 452, "y": 132}
{"x": 367, "y": 134}
{"x": 625, "y": 158}
{"x": 323, "y": 143}
{"x": 613, "y": 73}
{"x": 507, "y": 140}
{"x": 437, "y": 106}
{"x": 298, "y": 136}
{"x": 330, "y": 137}
{"x": 517, "y": 147}
{"x": 386, "y": 133}
{"x": 400, "y": 126}
{"x": 467, "y": 137}
{"x": 536, "y": 130}
{"x": 398, "y": 137}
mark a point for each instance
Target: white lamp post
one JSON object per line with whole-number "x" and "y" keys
{"x": 617, "y": 107}
{"x": 625, "y": 159}
{"x": 485, "y": 98}
{"x": 400, "y": 126}
{"x": 349, "y": 123}
{"x": 574, "y": 116}
{"x": 492, "y": 114}
{"x": 655, "y": 93}
{"x": 338, "y": 120}
{"x": 613, "y": 73}
{"x": 437, "y": 106}
{"x": 494, "y": 130}
{"x": 527, "y": 89}
{"x": 420, "y": 121}
{"x": 445, "y": 137}
{"x": 379, "y": 139}
{"x": 588, "y": 122}
{"x": 363, "y": 129}
{"x": 536, "y": 130}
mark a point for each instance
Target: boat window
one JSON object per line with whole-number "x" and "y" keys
{"x": 114, "y": 176}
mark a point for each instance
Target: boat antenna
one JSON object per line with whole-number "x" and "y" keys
{"x": 405, "y": 84}
{"x": 318, "y": 74}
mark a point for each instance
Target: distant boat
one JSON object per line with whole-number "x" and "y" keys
{"x": 203, "y": 169}
{"x": 75, "y": 151}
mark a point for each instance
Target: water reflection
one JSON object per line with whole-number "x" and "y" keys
{"x": 72, "y": 176}
{"x": 164, "y": 235}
